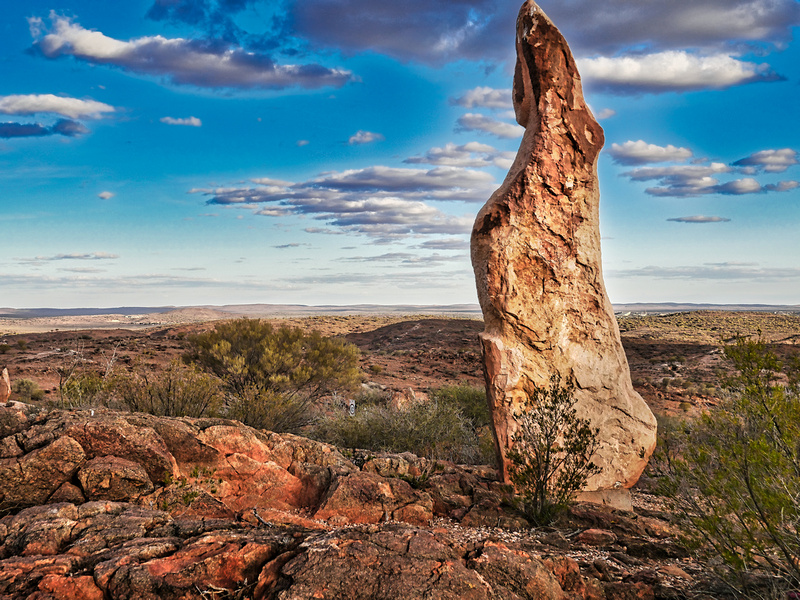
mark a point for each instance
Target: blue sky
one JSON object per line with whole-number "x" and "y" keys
{"x": 182, "y": 152}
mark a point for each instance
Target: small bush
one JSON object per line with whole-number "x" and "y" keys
{"x": 275, "y": 377}
{"x": 84, "y": 389}
{"x": 435, "y": 430}
{"x": 4, "y": 348}
{"x": 179, "y": 391}
{"x": 469, "y": 399}
{"x": 734, "y": 473}
{"x": 552, "y": 451}
{"x": 27, "y": 390}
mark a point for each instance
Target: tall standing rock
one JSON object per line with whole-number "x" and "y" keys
{"x": 536, "y": 255}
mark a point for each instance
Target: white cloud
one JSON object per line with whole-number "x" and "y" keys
{"x": 501, "y": 129}
{"x": 712, "y": 271}
{"x": 682, "y": 181}
{"x": 73, "y": 108}
{"x": 672, "y": 70}
{"x": 769, "y": 161}
{"x": 640, "y": 153}
{"x": 380, "y": 202}
{"x": 454, "y": 243}
{"x": 782, "y": 186}
{"x": 188, "y": 121}
{"x": 365, "y": 137}
{"x": 607, "y": 27}
{"x": 471, "y": 154}
{"x": 485, "y": 97}
{"x": 181, "y": 61}
{"x": 699, "y": 219}
{"x": 73, "y": 256}
{"x": 606, "y": 113}
{"x": 301, "y": 143}
{"x": 106, "y": 195}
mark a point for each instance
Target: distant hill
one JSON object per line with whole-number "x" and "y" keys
{"x": 33, "y": 313}
{"x": 672, "y": 307}
{"x": 300, "y": 310}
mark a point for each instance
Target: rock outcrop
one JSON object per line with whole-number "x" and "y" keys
{"x": 5, "y": 386}
{"x": 101, "y": 504}
{"x": 536, "y": 255}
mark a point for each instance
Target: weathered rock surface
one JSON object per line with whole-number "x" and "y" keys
{"x": 5, "y": 386}
{"x": 536, "y": 255}
{"x": 251, "y": 514}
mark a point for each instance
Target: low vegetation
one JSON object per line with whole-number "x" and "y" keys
{"x": 552, "y": 452}
{"x": 451, "y": 425}
{"x": 275, "y": 378}
{"x": 734, "y": 473}
{"x": 178, "y": 391}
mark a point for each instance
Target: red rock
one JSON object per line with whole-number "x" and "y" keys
{"x": 568, "y": 574}
{"x": 113, "y": 478}
{"x": 67, "y": 492}
{"x": 31, "y": 479}
{"x": 536, "y": 256}
{"x": 597, "y": 537}
{"x": 367, "y": 498}
{"x": 628, "y": 591}
{"x": 71, "y": 588}
{"x": 106, "y": 435}
{"x": 5, "y": 386}
{"x": 516, "y": 572}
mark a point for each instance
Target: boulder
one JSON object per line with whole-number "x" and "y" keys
{"x": 105, "y": 434}
{"x": 30, "y": 480}
{"x": 114, "y": 478}
{"x": 5, "y": 386}
{"x": 536, "y": 255}
{"x": 367, "y": 498}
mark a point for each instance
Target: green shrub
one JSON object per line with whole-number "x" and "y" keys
{"x": 551, "y": 455}
{"x": 179, "y": 391}
{"x": 27, "y": 390}
{"x": 469, "y": 399}
{"x": 734, "y": 473}
{"x": 435, "y": 430}
{"x": 84, "y": 389}
{"x": 275, "y": 377}
{"x": 4, "y": 348}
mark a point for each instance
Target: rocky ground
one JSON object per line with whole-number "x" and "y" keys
{"x": 116, "y": 505}
{"x": 100, "y": 504}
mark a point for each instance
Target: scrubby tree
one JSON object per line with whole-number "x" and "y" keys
{"x": 177, "y": 391}
{"x": 550, "y": 460}
{"x": 275, "y": 376}
{"x": 734, "y": 473}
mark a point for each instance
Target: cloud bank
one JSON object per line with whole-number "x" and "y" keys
{"x": 671, "y": 71}
{"x": 201, "y": 63}
{"x": 380, "y": 202}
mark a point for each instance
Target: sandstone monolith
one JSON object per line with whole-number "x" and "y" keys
{"x": 536, "y": 255}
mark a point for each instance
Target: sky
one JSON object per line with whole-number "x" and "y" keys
{"x": 193, "y": 152}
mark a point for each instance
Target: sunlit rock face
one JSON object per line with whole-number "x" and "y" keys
{"x": 536, "y": 255}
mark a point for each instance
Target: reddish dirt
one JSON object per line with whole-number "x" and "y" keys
{"x": 675, "y": 359}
